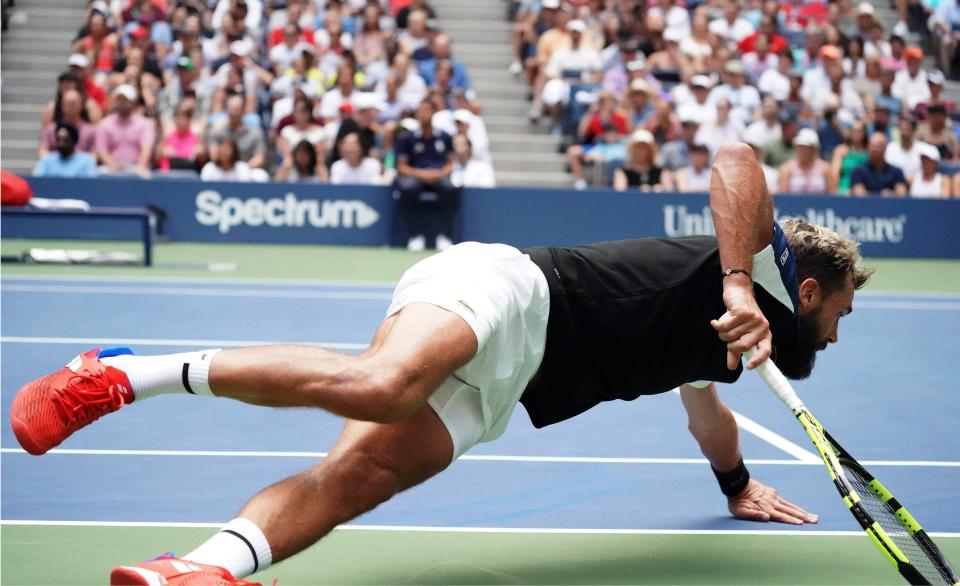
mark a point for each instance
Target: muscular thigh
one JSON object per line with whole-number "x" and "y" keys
{"x": 424, "y": 344}
{"x": 411, "y": 451}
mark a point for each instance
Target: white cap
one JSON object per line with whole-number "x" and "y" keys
{"x": 410, "y": 124}
{"x": 640, "y": 85}
{"x": 701, "y": 81}
{"x": 126, "y": 90}
{"x": 551, "y": 4}
{"x": 865, "y": 8}
{"x": 929, "y": 151}
{"x": 366, "y": 101}
{"x": 239, "y": 48}
{"x": 807, "y": 137}
{"x": 463, "y": 115}
{"x": 642, "y": 136}
{"x": 577, "y": 25}
{"x": 674, "y": 35}
{"x": 935, "y": 77}
{"x": 79, "y": 60}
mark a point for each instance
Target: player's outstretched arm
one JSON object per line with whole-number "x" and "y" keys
{"x": 743, "y": 218}
{"x": 714, "y": 427}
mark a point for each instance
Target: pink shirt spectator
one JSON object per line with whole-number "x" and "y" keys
{"x": 124, "y": 139}
{"x": 88, "y": 136}
{"x": 184, "y": 146}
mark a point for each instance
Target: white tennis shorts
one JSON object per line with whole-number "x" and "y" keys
{"x": 504, "y": 298}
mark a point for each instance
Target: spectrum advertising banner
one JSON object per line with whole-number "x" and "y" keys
{"x": 339, "y": 214}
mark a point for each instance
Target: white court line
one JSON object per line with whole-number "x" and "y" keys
{"x": 475, "y": 458}
{"x": 198, "y": 292}
{"x": 344, "y": 295}
{"x": 203, "y": 281}
{"x": 169, "y": 342}
{"x": 433, "y": 529}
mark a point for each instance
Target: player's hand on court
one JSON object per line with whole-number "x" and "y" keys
{"x": 743, "y": 326}
{"x": 759, "y": 502}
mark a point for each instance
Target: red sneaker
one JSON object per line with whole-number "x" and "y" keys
{"x": 171, "y": 571}
{"x": 46, "y": 411}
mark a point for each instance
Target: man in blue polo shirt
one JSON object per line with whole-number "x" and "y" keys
{"x": 66, "y": 161}
{"x": 876, "y": 176}
{"x": 424, "y": 164}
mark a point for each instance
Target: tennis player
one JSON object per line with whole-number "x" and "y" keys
{"x": 475, "y": 329}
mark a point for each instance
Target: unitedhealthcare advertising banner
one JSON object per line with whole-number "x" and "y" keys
{"x": 339, "y": 214}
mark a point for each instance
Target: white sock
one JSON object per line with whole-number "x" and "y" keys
{"x": 170, "y": 373}
{"x": 240, "y": 547}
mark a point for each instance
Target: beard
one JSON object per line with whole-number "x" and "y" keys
{"x": 796, "y": 357}
{"x": 65, "y": 152}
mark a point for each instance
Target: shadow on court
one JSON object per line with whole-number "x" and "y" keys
{"x": 85, "y": 555}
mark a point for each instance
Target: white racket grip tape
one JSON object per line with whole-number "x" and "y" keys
{"x": 778, "y": 383}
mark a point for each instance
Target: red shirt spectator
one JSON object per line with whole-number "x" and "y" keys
{"x": 598, "y": 126}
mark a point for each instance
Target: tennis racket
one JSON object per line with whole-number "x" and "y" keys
{"x": 890, "y": 526}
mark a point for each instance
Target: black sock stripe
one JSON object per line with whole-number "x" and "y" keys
{"x": 185, "y": 377}
{"x": 253, "y": 552}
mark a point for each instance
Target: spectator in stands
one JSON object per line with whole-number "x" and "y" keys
{"x": 248, "y": 141}
{"x": 292, "y": 44}
{"x": 640, "y": 103}
{"x": 935, "y": 79}
{"x": 670, "y": 63}
{"x": 767, "y": 128}
{"x": 776, "y": 82}
{"x": 806, "y": 173}
{"x": 868, "y": 83}
{"x": 693, "y": 101}
{"x": 771, "y": 175}
{"x": 905, "y": 152}
{"x": 732, "y": 26}
{"x": 442, "y": 48}
{"x": 603, "y": 123}
{"x": 831, "y": 128}
{"x": 125, "y": 139}
{"x": 354, "y": 167}
{"x": 66, "y": 161}
{"x": 723, "y": 130}
{"x": 414, "y": 6}
{"x": 189, "y": 78}
{"x": 225, "y": 164}
{"x": 697, "y": 45}
{"x": 756, "y": 63}
{"x": 910, "y": 84}
{"x": 768, "y": 33}
{"x": 91, "y": 111}
{"x": 854, "y": 62}
{"x": 935, "y": 131}
{"x": 344, "y": 92}
{"x": 580, "y": 63}
{"x": 69, "y": 109}
{"x": 549, "y": 42}
{"x": 945, "y": 26}
{"x": 79, "y": 65}
{"x": 190, "y": 37}
{"x": 474, "y": 129}
{"x": 424, "y": 163}
{"x": 181, "y": 148}
{"x": 676, "y": 153}
{"x": 848, "y": 156}
{"x": 929, "y": 182}
{"x": 364, "y": 121}
{"x": 297, "y": 12}
{"x": 302, "y": 128}
{"x": 411, "y": 89}
{"x": 876, "y": 176}
{"x": 743, "y": 99}
{"x": 240, "y": 76}
{"x": 369, "y": 46}
{"x": 97, "y": 43}
{"x": 468, "y": 169}
{"x": 780, "y": 151}
{"x": 696, "y": 176}
{"x": 302, "y": 165}
{"x": 416, "y": 36}
{"x": 641, "y": 170}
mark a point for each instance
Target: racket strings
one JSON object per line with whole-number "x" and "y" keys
{"x": 918, "y": 552}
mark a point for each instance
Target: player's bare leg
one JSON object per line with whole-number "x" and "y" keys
{"x": 369, "y": 464}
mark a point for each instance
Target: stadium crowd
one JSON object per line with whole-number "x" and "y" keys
{"x": 339, "y": 91}
{"x": 643, "y": 92}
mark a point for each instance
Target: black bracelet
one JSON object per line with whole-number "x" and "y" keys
{"x": 733, "y": 482}
{"x": 726, "y": 273}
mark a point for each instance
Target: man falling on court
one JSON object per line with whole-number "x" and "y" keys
{"x": 474, "y": 330}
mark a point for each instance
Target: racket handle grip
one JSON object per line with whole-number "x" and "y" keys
{"x": 778, "y": 383}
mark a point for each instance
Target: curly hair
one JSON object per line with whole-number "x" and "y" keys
{"x": 824, "y": 255}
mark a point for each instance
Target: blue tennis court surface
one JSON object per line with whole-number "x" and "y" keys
{"x": 185, "y": 459}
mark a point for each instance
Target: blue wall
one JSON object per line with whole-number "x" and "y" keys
{"x": 337, "y": 214}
